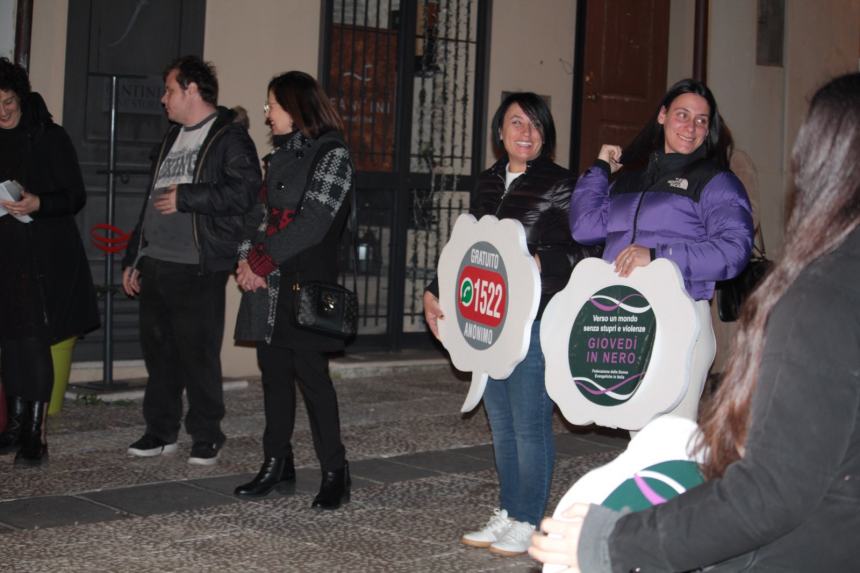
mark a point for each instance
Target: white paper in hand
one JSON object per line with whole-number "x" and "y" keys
{"x": 11, "y": 191}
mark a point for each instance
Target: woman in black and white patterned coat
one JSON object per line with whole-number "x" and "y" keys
{"x": 304, "y": 208}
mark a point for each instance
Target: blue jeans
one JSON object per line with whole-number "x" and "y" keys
{"x": 520, "y": 414}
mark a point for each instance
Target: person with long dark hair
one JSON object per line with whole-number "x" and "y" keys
{"x": 309, "y": 176}
{"x": 524, "y": 184}
{"x": 781, "y": 438}
{"x": 46, "y": 288}
{"x": 673, "y": 197}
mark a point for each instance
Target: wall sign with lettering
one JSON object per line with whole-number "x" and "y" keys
{"x": 489, "y": 290}
{"x": 618, "y": 350}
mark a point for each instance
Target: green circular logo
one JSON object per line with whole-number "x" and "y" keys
{"x": 466, "y": 291}
{"x": 610, "y": 345}
{"x": 482, "y": 294}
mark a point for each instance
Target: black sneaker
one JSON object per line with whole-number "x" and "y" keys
{"x": 149, "y": 446}
{"x": 204, "y": 453}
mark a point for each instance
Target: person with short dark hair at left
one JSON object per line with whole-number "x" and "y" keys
{"x": 204, "y": 180}
{"x": 46, "y": 289}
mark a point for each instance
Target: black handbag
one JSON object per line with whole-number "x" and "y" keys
{"x": 732, "y": 293}
{"x": 329, "y": 308}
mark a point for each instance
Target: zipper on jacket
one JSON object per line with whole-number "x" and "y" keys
{"x": 507, "y": 189}
{"x": 655, "y": 157}
{"x": 199, "y": 168}
{"x": 636, "y": 216}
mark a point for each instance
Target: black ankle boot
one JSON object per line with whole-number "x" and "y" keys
{"x": 276, "y": 473}
{"x": 10, "y": 440}
{"x": 334, "y": 489}
{"x": 33, "y": 450}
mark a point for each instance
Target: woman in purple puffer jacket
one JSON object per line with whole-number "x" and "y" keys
{"x": 673, "y": 197}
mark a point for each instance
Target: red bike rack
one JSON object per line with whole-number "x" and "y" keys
{"x": 109, "y": 238}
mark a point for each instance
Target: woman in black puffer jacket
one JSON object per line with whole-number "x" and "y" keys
{"x": 527, "y": 186}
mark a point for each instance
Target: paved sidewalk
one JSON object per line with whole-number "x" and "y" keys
{"x": 422, "y": 473}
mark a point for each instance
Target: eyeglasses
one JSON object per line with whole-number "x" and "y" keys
{"x": 267, "y": 107}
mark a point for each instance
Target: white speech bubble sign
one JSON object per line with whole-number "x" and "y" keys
{"x": 596, "y": 334}
{"x": 489, "y": 291}
{"x": 657, "y": 465}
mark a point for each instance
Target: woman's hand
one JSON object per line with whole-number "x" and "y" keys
{"x": 247, "y": 280}
{"x": 28, "y": 203}
{"x": 432, "y": 312}
{"x": 631, "y": 257}
{"x": 559, "y": 542}
{"x": 611, "y": 154}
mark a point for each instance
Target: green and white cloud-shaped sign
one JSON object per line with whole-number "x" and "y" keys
{"x": 657, "y": 465}
{"x": 619, "y": 350}
{"x": 489, "y": 291}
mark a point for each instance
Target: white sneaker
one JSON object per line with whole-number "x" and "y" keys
{"x": 496, "y": 527}
{"x": 515, "y": 541}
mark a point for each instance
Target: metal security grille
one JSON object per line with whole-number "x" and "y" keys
{"x": 406, "y": 76}
{"x": 363, "y": 77}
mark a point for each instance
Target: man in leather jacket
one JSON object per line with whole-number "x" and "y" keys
{"x": 205, "y": 178}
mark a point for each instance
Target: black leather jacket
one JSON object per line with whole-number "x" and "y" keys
{"x": 226, "y": 184}
{"x": 539, "y": 199}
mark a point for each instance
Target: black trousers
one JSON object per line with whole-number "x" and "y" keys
{"x": 181, "y": 330}
{"x": 27, "y": 369}
{"x": 281, "y": 369}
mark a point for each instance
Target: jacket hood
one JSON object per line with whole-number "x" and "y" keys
{"x": 225, "y": 115}
{"x": 34, "y": 111}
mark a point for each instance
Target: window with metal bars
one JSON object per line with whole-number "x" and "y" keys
{"x": 408, "y": 107}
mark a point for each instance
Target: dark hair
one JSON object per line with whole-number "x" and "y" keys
{"x": 302, "y": 97}
{"x": 718, "y": 142}
{"x": 826, "y": 208}
{"x": 192, "y": 69}
{"x": 13, "y": 78}
{"x": 535, "y": 107}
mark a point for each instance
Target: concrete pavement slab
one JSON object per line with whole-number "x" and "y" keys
{"x": 54, "y": 511}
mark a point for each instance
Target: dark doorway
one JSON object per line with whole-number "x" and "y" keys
{"x": 124, "y": 37}
{"x": 408, "y": 77}
{"x": 624, "y": 50}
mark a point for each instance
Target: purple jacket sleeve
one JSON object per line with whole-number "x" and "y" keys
{"x": 589, "y": 205}
{"x": 724, "y": 209}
